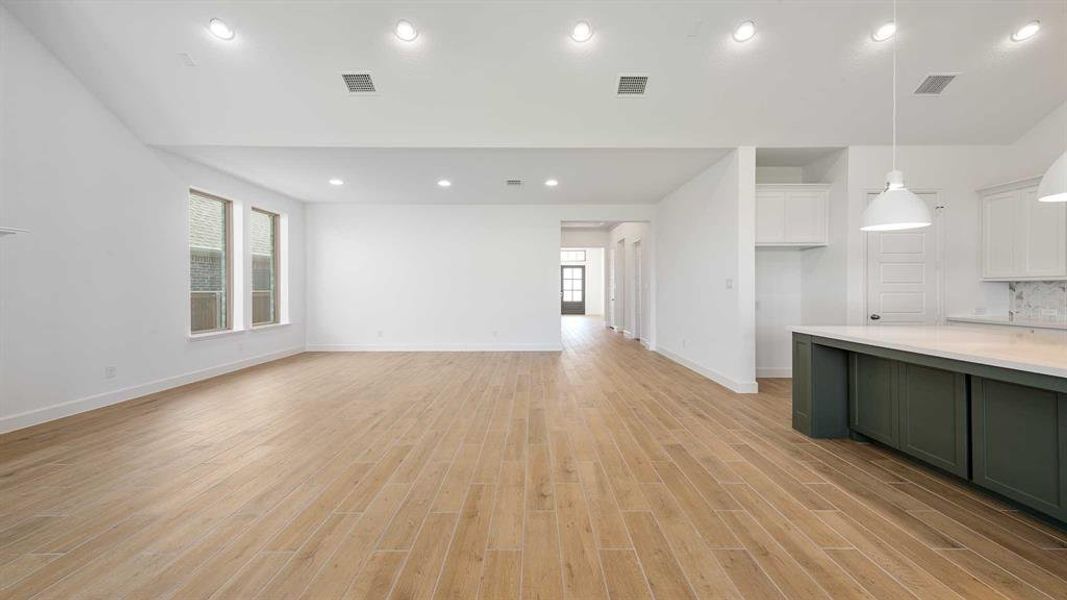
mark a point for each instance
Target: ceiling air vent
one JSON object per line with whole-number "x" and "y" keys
{"x": 632, "y": 85}
{"x": 935, "y": 84}
{"x": 514, "y": 182}
{"x": 359, "y": 83}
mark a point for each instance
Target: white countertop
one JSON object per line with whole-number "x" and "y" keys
{"x": 1004, "y": 320}
{"x": 1042, "y": 352}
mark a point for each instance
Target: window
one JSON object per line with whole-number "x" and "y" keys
{"x": 572, "y": 255}
{"x": 264, "y": 267}
{"x": 210, "y": 262}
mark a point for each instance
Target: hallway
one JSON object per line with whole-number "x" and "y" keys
{"x": 601, "y": 471}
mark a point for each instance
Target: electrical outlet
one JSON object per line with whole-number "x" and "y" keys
{"x": 683, "y": 342}
{"x": 110, "y": 372}
{"x": 495, "y": 333}
{"x": 380, "y": 333}
{"x": 729, "y": 284}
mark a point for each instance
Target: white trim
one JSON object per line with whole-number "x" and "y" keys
{"x": 210, "y": 335}
{"x": 627, "y": 334}
{"x": 734, "y": 386}
{"x": 774, "y": 372}
{"x": 472, "y": 347}
{"x": 1010, "y": 186}
{"x": 80, "y": 405}
{"x": 266, "y": 326}
{"x": 787, "y": 186}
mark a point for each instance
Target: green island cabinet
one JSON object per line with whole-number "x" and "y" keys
{"x": 1002, "y": 429}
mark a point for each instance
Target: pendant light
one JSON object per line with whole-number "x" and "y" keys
{"x": 1053, "y": 186}
{"x": 896, "y": 208}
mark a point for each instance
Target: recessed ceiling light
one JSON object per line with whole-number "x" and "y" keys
{"x": 1026, "y": 31}
{"x": 444, "y": 183}
{"x": 551, "y": 182}
{"x": 220, "y": 29}
{"x": 884, "y": 32}
{"x": 745, "y": 31}
{"x": 582, "y": 31}
{"x": 406, "y": 31}
{"x": 336, "y": 181}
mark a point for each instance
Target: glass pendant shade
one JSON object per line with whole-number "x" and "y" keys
{"x": 896, "y": 209}
{"x": 1053, "y": 187}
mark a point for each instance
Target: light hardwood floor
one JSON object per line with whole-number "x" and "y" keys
{"x": 601, "y": 471}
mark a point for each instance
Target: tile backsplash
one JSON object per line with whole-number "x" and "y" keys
{"x": 1038, "y": 300}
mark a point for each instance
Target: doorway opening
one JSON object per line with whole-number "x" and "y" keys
{"x": 605, "y": 275}
{"x": 581, "y": 281}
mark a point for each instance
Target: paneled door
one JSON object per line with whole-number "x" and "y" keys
{"x": 904, "y": 272}
{"x": 572, "y": 290}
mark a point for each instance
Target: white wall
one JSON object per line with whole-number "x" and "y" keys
{"x": 824, "y": 291}
{"x": 454, "y": 277}
{"x": 705, "y": 236}
{"x": 102, "y": 277}
{"x": 779, "y": 306}
{"x": 955, "y": 172}
{"x": 594, "y": 278}
{"x": 583, "y": 238}
{"x": 779, "y": 175}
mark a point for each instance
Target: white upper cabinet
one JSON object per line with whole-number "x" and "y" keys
{"x": 792, "y": 214}
{"x": 1021, "y": 237}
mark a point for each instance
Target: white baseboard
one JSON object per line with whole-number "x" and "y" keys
{"x": 626, "y": 333}
{"x": 434, "y": 347}
{"x": 735, "y": 386}
{"x": 80, "y": 405}
{"x": 774, "y": 372}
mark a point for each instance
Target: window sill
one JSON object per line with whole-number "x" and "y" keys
{"x": 196, "y": 337}
{"x": 270, "y": 326}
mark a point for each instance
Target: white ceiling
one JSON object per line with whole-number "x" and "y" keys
{"x": 478, "y": 176}
{"x": 505, "y": 74}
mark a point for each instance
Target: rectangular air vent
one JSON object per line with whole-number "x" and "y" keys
{"x": 935, "y": 84}
{"x": 632, "y": 85}
{"x": 359, "y": 83}
{"x": 514, "y": 182}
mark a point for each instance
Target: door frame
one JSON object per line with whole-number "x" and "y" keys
{"x": 639, "y": 249}
{"x": 939, "y": 255}
{"x": 584, "y": 290}
{"x": 619, "y": 287}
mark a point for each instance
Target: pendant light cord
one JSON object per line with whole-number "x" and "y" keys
{"x": 895, "y": 33}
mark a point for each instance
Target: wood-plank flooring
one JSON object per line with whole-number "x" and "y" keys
{"x": 604, "y": 471}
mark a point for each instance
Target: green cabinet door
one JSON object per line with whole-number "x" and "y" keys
{"x": 933, "y": 416}
{"x": 1020, "y": 443}
{"x": 872, "y": 398}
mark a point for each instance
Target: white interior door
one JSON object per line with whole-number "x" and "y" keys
{"x": 638, "y": 280}
{"x": 611, "y": 288}
{"x": 904, "y": 272}
{"x": 618, "y": 291}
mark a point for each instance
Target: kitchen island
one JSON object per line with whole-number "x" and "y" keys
{"x": 986, "y": 404}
